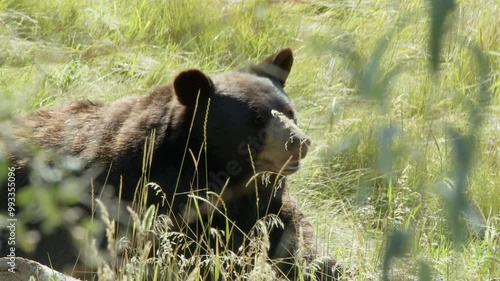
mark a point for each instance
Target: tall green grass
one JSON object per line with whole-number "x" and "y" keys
{"x": 403, "y": 180}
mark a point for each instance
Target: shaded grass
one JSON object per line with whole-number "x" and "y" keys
{"x": 382, "y": 156}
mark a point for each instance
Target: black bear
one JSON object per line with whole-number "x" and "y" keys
{"x": 230, "y": 139}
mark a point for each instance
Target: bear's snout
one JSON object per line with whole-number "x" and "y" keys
{"x": 305, "y": 142}
{"x": 285, "y": 145}
{"x": 298, "y": 146}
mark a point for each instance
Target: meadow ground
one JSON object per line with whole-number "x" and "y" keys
{"x": 404, "y": 175}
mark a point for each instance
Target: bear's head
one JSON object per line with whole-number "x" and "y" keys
{"x": 247, "y": 122}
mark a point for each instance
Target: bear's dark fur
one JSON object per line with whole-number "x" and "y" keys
{"x": 230, "y": 139}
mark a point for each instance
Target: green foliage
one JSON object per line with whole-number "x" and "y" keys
{"x": 403, "y": 179}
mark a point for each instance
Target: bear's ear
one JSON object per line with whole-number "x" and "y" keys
{"x": 277, "y": 66}
{"x": 189, "y": 83}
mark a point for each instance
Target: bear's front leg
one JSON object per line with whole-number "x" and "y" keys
{"x": 294, "y": 248}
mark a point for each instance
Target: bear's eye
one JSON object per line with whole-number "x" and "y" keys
{"x": 258, "y": 121}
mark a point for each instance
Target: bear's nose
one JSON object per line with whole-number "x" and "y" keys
{"x": 305, "y": 142}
